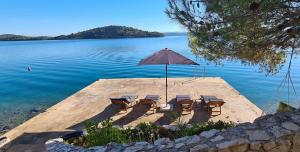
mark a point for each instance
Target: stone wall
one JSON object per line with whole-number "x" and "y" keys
{"x": 272, "y": 133}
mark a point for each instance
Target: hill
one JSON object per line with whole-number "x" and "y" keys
{"x": 106, "y": 32}
{"x": 111, "y": 32}
{"x": 12, "y": 37}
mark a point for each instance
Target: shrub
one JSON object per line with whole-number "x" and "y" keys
{"x": 106, "y": 133}
{"x": 143, "y": 132}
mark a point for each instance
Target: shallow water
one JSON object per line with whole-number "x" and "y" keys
{"x": 60, "y": 68}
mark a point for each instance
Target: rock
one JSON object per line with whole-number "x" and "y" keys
{"x": 117, "y": 127}
{"x": 149, "y": 147}
{"x": 283, "y": 145}
{"x": 263, "y": 118}
{"x": 58, "y": 146}
{"x": 296, "y": 143}
{"x": 4, "y": 128}
{"x": 179, "y": 145}
{"x": 234, "y": 142}
{"x": 56, "y": 140}
{"x": 114, "y": 147}
{"x": 137, "y": 147}
{"x": 239, "y": 148}
{"x": 182, "y": 139}
{"x": 161, "y": 147}
{"x": 2, "y": 140}
{"x": 171, "y": 127}
{"x": 210, "y": 133}
{"x": 162, "y": 141}
{"x": 218, "y": 138}
{"x": 193, "y": 140}
{"x": 255, "y": 146}
{"x": 143, "y": 143}
{"x": 268, "y": 121}
{"x": 246, "y": 126}
{"x": 290, "y": 126}
{"x": 189, "y": 126}
{"x": 295, "y": 118}
{"x": 257, "y": 135}
{"x": 169, "y": 145}
{"x": 133, "y": 148}
{"x": 279, "y": 132}
{"x": 199, "y": 148}
{"x": 269, "y": 145}
{"x": 35, "y": 110}
{"x": 84, "y": 132}
{"x": 98, "y": 149}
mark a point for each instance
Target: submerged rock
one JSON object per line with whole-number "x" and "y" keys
{"x": 3, "y": 140}
{"x": 35, "y": 111}
{"x": 4, "y": 128}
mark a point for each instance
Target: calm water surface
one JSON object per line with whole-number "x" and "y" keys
{"x": 60, "y": 68}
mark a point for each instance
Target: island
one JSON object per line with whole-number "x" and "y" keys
{"x": 106, "y": 32}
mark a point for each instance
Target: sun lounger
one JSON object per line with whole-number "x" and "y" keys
{"x": 152, "y": 101}
{"x": 206, "y": 99}
{"x": 213, "y": 102}
{"x": 132, "y": 98}
{"x": 185, "y": 102}
{"x": 122, "y": 102}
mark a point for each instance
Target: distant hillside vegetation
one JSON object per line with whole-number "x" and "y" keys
{"x": 12, "y": 37}
{"x": 106, "y": 32}
{"x": 111, "y": 32}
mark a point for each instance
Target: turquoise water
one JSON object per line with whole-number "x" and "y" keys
{"x": 60, "y": 68}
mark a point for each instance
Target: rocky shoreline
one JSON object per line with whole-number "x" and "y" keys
{"x": 10, "y": 119}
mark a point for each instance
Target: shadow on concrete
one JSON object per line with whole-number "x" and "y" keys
{"x": 32, "y": 142}
{"x": 170, "y": 116}
{"x": 108, "y": 112}
{"x": 137, "y": 111}
{"x": 200, "y": 114}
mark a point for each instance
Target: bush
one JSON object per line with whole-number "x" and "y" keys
{"x": 143, "y": 132}
{"x": 106, "y": 133}
{"x": 195, "y": 129}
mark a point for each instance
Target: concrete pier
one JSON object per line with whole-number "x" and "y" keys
{"x": 92, "y": 103}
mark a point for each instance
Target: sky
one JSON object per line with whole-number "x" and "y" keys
{"x": 56, "y": 17}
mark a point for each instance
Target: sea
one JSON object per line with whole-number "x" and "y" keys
{"x": 35, "y": 75}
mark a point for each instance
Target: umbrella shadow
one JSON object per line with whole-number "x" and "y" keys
{"x": 137, "y": 111}
{"x": 170, "y": 116}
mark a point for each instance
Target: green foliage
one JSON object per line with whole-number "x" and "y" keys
{"x": 143, "y": 132}
{"x": 110, "y": 32}
{"x": 256, "y": 32}
{"x": 106, "y": 133}
{"x": 96, "y": 33}
{"x": 195, "y": 129}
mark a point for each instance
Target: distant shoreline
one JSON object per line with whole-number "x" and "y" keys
{"x": 79, "y": 39}
{"x": 107, "y": 32}
{"x": 89, "y": 38}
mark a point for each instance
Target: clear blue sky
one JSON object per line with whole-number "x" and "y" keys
{"x": 55, "y": 17}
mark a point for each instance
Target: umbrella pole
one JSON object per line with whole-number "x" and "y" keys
{"x": 166, "y": 84}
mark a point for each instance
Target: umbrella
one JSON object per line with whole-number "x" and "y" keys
{"x": 166, "y": 57}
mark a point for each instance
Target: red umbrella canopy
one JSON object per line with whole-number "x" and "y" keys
{"x": 167, "y": 56}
